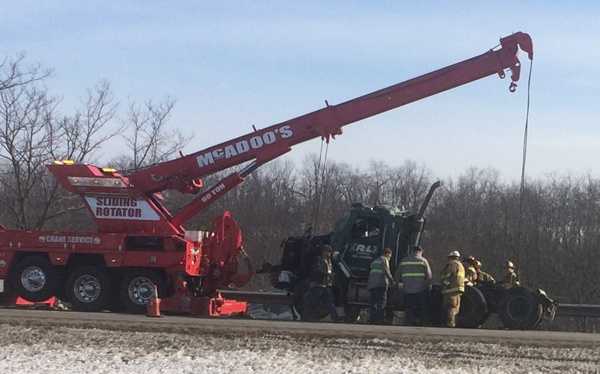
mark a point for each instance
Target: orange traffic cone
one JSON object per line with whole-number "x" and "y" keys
{"x": 153, "y": 307}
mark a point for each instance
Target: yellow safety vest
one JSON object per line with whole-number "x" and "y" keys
{"x": 377, "y": 265}
{"x": 413, "y": 269}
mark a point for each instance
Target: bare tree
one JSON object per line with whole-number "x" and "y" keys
{"x": 148, "y": 137}
{"x": 33, "y": 134}
{"x": 76, "y": 138}
{"x": 25, "y": 114}
{"x": 408, "y": 184}
{"x": 14, "y": 73}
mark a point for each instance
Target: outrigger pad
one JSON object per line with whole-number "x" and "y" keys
{"x": 19, "y": 302}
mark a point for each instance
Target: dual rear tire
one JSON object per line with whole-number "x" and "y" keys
{"x": 136, "y": 289}
{"x": 89, "y": 288}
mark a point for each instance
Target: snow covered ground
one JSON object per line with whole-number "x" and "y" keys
{"x": 26, "y": 350}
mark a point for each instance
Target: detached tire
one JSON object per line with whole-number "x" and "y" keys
{"x": 88, "y": 288}
{"x": 34, "y": 278}
{"x": 137, "y": 287}
{"x": 473, "y": 309}
{"x": 521, "y": 309}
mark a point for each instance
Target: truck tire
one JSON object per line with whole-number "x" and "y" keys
{"x": 137, "y": 287}
{"x": 473, "y": 309}
{"x": 521, "y": 309}
{"x": 88, "y": 288}
{"x": 34, "y": 278}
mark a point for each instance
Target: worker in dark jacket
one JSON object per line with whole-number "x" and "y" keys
{"x": 380, "y": 278}
{"x": 322, "y": 277}
{"x": 415, "y": 275}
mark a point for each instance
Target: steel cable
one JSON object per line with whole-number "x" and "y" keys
{"x": 524, "y": 162}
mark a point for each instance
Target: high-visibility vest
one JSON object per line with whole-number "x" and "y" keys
{"x": 377, "y": 276}
{"x": 412, "y": 268}
{"x": 377, "y": 265}
{"x": 453, "y": 278}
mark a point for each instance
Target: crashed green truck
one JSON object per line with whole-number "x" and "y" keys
{"x": 359, "y": 238}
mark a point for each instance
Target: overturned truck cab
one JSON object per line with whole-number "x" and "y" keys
{"x": 358, "y": 239}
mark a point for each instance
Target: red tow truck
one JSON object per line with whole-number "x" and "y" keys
{"x": 139, "y": 245}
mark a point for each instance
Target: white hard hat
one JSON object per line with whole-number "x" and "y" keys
{"x": 454, "y": 254}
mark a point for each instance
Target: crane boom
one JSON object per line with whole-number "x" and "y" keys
{"x": 275, "y": 140}
{"x": 263, "y": 145}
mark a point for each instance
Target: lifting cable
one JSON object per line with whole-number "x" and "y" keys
{"x": 313, "y": 216}
{"x": 319, "y": 185}
{"x": 524, "y": 161}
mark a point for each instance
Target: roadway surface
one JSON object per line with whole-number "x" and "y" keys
{"x": 248, "y": 327}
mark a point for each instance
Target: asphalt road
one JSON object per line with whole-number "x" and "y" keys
{"x": 229, "y": 326}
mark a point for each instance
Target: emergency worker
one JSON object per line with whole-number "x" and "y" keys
{"x": 453, "y": 286}
{"x": 415, "y": 275}
{"x": 511, "y": 279}
{"x": 482, "y": 276}
{"x": 470, "y": 271}
{"x": 380, "y": 278}
{"x": 323, "y": 278}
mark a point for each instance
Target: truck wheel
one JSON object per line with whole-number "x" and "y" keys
{"x": 34, "y": 278}
{"x": 136, "y": 290}
{"x": 521, "y": 309}
{"x": 88, "y": 289}
{"x": 473, "y": 309}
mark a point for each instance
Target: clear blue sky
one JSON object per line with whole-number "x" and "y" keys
{"x": 252, "y": 62}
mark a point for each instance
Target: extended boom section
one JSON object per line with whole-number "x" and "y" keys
{"x": 271, "y": 142}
